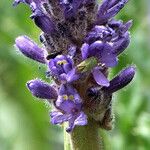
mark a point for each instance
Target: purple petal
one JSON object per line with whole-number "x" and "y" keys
{"x": 84, "y": 51}
{"x": 58, "y": 118}
{"x": 113, "y": 3}
{"x": 107, "y": 56}
{"x": 81, "y": 119}
{"x": 70, "y": 61}
{"x": 63, "y": 77}
{"x": 71, "y": 125}
{"x": 62, "y": 89}
{"x": 67, "y": 106}
{"x": 101, "y": 33}
{"x": 60, "y": 58}
{"x": 104, "y": 52}
{"x": 120, "y": 45}
{"x": 125, "y": 27}
{"x": 72, "y": 76}
{"x": 95, "y": 48}
{"x": 72, "y": 51}
{"x": 77, "y": 99}
{"x": 70, "y": 90}
{"x": 99, "y": 77}
{"x": 59, "y": 101}
{"x": 51, "y": 63}
{"x": 67, "y": 67}
{"x": 115, "y": 23}
{"x": 54, "y": 71}
{"x": 109, "y": 9}
{"x": 115, "y": 9}
{"x": 71, "y": 8}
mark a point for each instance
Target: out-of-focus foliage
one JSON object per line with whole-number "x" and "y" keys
{"x": 24, "y": 121}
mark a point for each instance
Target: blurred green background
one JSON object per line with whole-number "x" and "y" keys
{"x": 24, "y": 120}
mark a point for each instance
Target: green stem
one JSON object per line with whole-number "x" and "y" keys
{"x": 86, "y": 137}
{"x": 67, "y": 144}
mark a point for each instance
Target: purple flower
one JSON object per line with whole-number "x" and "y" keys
{"x": 69, "y": 105}
{"x": 121, "y": 80}
{"x": 116, "y": 33}
{"x": 104, "y": 39}
{"x": 71, "y": 112}
{"x": 100, "y": 33}
{"x": 99, "y": 77}
{"x": 41, "y": 89}
{"x": 30, "y": 49}
{"x": 103, "y": 52}
{"x": 109, "y": 9}
{"x": 61, "y": 67}
{"x": 68, "y": 92}
{"x": 70, "y": 8}
{"x": 43, "y": 21}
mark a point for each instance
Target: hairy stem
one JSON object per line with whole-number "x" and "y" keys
{"x": 86, "y": 137}
{"x": 67, "y": 144}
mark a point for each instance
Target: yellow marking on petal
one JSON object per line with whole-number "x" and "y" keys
{"x": 71, "y": 97}
{"x": 65, "y": 97}
{"x": 62, "y": 62}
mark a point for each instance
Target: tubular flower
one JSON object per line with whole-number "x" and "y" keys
{"x": 105, "y": 56}
{"x": 41, "y": 89}
{"x": 121, "y": 80}
{"x": 81, "y": 42}
{"x": 30, "y": 49}
{"x": 67, "y": 92}
{"x": 69, "y": 108}
{"x": 61, "y": 67}
{"x": 42, "y": 20}
{"x": 71, "y": 112}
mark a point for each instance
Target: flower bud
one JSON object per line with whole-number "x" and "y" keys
{"x": 120, "y": 45}
{"x": 116, "y": 8}
{"x": 109, "y": 9}
{"x": 41, "y": 89}
{"x": 125, "y": 27}
{"x": 121, "y": 80}
{"x": 43, "y": 22}
{"x": 30, "y": 49}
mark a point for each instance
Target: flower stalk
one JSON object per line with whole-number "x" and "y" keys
{"x": 86, "y": 137}
{"x": 81, "y": 42}
{"x": 67, "y": 141}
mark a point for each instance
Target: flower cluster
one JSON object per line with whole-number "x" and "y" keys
{"x": 81, "y": 41}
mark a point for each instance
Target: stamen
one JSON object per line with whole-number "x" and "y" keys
{"x": 71, "y": 97}
{"x": 62, "y": 62}
{"x": 65, "y": 97}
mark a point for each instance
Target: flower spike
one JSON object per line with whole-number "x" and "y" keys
{"x": 81, "y": 43}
